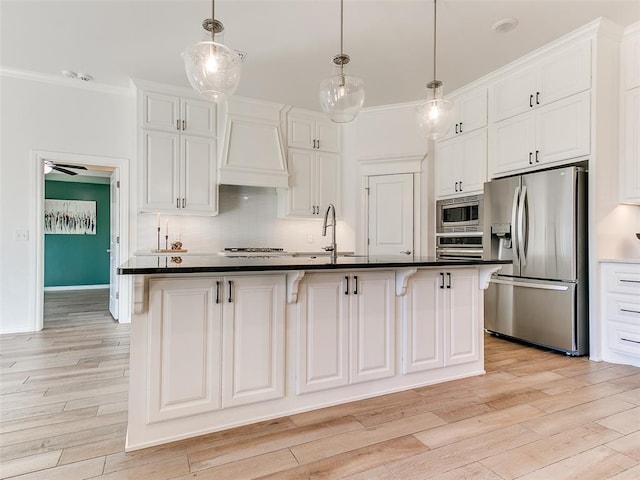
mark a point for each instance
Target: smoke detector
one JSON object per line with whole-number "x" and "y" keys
{"x": 85, "y": 77}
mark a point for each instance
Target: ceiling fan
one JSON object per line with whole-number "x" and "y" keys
{"x": 61, "y": 167}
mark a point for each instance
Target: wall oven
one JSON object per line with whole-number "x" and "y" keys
{"x": 459, "y": 227}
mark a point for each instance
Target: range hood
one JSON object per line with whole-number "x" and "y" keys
{"x": 253, "y": 153}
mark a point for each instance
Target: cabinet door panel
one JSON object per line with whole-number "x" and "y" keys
{"x": 184, "y": 350}
{"x": 630, "y": 168}
{"x": 302, "y": 179}
{"x": 512, "y": 144}
{"x": 372, "y": 326}
{"x": 199, "y": 174}
{"x": 390, "y": 229}
{"x": 328, "y": 181}
{"x": 323, "y": 320}
{"x": 199, "y": 117}
{"x": 473, "y": 111}
{"x": 473, "y": 165}
{"x": 328, "y": 136}
{"x": 562, "y": 129}
{"x": 160, "y": 111}
{"x": 447, "y": 167}
{"x": 422, "y": 323}
{"x": 253, "y": 363}
{"x": 565, "y": 73}
{"x": 161, "y": 172}
{"x": 461, "y": 321}
{"x": 512, "y": 94}
{"x": 301, "y": 132}
{"x": 631, "y": 61}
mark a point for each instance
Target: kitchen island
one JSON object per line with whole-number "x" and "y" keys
{"x": 218, "y": 342}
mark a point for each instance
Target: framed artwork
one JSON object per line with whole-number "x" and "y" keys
{"x": 70, "y": 217}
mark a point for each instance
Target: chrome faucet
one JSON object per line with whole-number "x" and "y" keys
{"x": 333, "y": 248}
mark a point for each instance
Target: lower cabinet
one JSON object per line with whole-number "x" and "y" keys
{"x": 346, "y": 329}
{"x": 191, "y": 372}
{"x": 440, "y": 319}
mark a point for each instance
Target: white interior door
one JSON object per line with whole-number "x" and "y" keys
{"x": 114, "y": 245}
{"x": 391, "y": 214}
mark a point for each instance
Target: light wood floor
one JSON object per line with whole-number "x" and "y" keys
{"x": 534, "y": 415}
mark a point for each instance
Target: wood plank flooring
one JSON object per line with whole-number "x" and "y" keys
{"x": 535, "y": 415}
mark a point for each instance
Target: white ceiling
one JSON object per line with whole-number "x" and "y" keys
{"x": 290, "y": 43}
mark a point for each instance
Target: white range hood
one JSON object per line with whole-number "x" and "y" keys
{"x": 253, "y": 152}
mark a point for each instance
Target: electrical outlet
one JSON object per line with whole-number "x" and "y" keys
{"x": 309, "y": 238}
{"x": 21, "y": 235}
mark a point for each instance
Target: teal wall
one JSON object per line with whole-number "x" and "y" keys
{"x": 78, "y": 259}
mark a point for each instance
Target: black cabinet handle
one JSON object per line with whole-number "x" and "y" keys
{"x": 456, "y": 187}
{"x": 230, "y": 288}
{"x": 460, "y": 127}
{"x": 184, "y": 202}
{"x": 441, "y": 280}
{"x": 318, "y": 142}
{"x": 448, "y": 280}
{"x": 355, "y": 284}
{"x": 531, "y": 101}
{"x": 460, "y": 185}
{"x": 184, "y": 124}
{"x": 456, "y": 128}
{"x": 346, "y": 290}
{"x": 178, "y": 124}
{"x": 177, "y": 203}
{"x": 537, "y": 155}
{"x": 217, "y": 292}
{"x": 537, "y": 98}
{"x": 530, "y": 158}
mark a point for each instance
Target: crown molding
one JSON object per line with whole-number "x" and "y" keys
{"x": 65, "y": 82}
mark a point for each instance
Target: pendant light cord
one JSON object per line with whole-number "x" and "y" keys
{"x": 341, "y": 36}
{"x": 434, "y": 40}
{"x": 213, "y": 19}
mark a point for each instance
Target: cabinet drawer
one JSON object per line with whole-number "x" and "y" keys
{"x": 623, "y": 278}
{"x": 624, "y": 308}
{"x": 624, "y": 338}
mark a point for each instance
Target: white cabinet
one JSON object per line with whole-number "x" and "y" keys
{"x": 185, "y": 348}
{"x": 440, "y": 319}
{"x": 557, "y": 75}
{"x": 469, "y": 113}
{"x": 314, "y": 183}
{"x": 309, "y": 130}
{"x": 346, "y": 329}
{"x": 630, "y": 139}
{"x": 461, "y": 164}
{"x": 551, "y": 134}
{"x": 621, "y": 312}
{"x": 178, "y": 154}
{"x": 191, "y": 319}
{"x": 253, "y": 337}
{"x": 178, "y": 114}
{"x": 178, "y": 173}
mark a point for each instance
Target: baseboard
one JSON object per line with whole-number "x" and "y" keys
{"x": 75, "y": 287}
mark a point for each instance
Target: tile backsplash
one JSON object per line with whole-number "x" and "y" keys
{"x": 248, "y": 218}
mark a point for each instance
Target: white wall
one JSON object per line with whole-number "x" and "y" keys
{"x": 46, "y": 116}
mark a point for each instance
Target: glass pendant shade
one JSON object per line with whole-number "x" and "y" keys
{"x": 213, "y": 69}
{"x": 435, "y": 115}
{"x": 342, "y": 97}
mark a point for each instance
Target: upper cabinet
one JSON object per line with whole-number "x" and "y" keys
{"x": 553, "y": 77}
{"x": 315, "y": 166}
{"x": 469, "y": 112}
{"x": 631, "y": 59}
{"x": 461, "y": 157}
{"x": 314, "y": 131}
{"x": 178, "y": 154}
{"x": 178, "y": 114}
{"x": 630, "y": 120}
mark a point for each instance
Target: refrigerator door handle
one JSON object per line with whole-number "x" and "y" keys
{"x": 522, "y": 239}
{"x": 514, "y": 219}
{"x": 541, "y": 286}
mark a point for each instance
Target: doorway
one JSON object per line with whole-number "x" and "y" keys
{"x": 390, "y": 214}
{"x": 117, "y": 175}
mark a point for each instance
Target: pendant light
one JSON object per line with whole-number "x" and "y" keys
{"x": 213, "y": 69}
{"x": 435, "y": 115}
{"x": 341, "y": 96}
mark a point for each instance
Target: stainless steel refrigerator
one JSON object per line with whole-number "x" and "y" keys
{"x": 539, "y": 220}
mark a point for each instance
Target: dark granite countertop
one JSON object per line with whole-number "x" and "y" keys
{"x": 147, "y": 265}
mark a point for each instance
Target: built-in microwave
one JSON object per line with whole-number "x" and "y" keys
{"x": 462, "y": 214}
